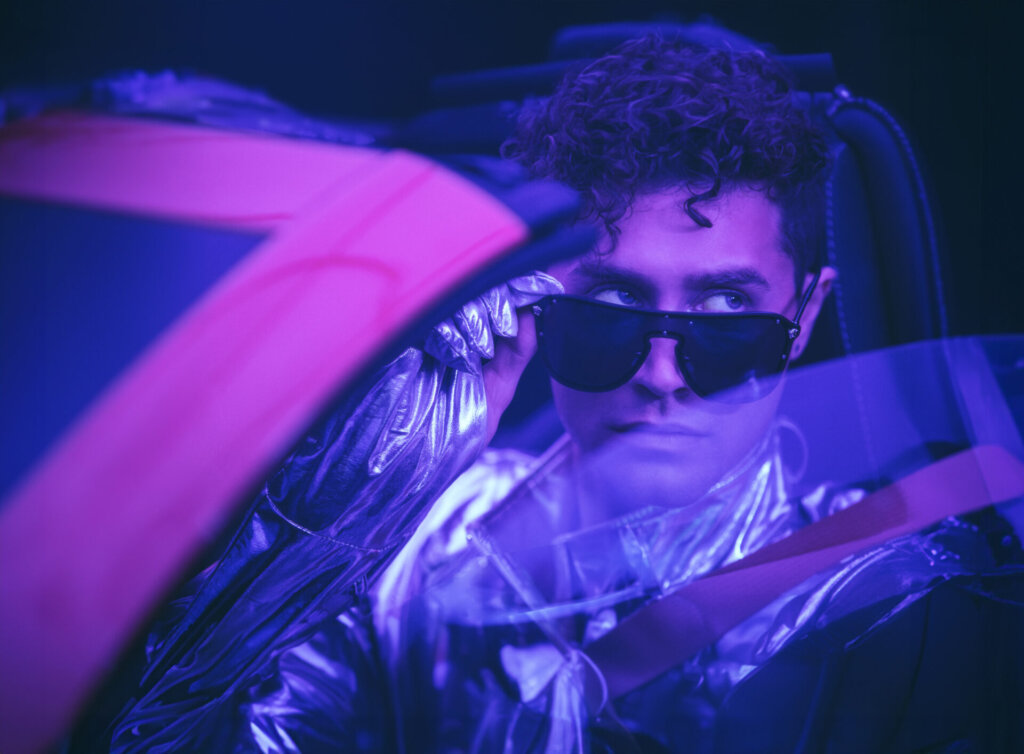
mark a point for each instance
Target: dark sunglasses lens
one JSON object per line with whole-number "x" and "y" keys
{"x": 734, "y": 359}
{"x": 588, "y": 345}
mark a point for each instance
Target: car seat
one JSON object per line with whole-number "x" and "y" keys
{"x": 880, "y": 230}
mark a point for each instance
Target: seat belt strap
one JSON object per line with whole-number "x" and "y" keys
{"x": 666, "y": 632}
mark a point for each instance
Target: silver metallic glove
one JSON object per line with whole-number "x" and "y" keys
{"x": 461, "y": 342}
{"x": 468, "y": 337}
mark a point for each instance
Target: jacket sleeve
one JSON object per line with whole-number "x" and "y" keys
{"x": 326, "y": 694}
{"x": 308, "y": 547}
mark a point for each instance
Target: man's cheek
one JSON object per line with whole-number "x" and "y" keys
{"x": 581, "y": 414}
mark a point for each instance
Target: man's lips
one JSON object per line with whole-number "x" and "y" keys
{"x": 657, "y": 428}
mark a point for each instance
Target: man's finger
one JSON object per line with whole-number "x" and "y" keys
{"x": 502, "y": 373}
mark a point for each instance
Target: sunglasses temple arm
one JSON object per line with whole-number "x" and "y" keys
{"x": 806, "y": 297}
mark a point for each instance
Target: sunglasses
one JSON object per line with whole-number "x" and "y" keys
{"x": 732, "y": 358}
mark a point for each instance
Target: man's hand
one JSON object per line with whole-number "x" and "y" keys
{"x": 502, "y": 373}
{"x": 494, "y": 335}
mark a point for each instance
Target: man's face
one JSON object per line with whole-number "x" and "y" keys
{"x": 670, "y": 445}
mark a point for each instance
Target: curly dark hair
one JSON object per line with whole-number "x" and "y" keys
{"x": 655, "y": 113}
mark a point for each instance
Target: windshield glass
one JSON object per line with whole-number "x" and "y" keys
{"x": 548, "y": 607}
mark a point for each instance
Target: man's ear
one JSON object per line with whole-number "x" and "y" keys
{"x": 810, "y": 315}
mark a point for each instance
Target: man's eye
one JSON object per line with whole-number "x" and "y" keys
{"x": 723, "y": 302}
{"x": 617, "y": 296}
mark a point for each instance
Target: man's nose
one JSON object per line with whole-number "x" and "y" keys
{"x": 660, "y": 372}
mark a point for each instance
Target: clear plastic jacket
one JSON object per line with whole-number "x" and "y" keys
{"x": 334, "y": 692}
{"x": 890, "y": 649}
{"x": 319, "y": 533}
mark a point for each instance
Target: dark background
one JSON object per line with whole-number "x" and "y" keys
{"x": 949, "y": 71}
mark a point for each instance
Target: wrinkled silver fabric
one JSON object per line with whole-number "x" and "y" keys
{"x": 440, "y": 594}
{"x": 478, "y": 659}
{"x": 334, "y": 691}
{"x": 492, "y": 618}
{"x": 480, "y": 644}
{"x": 466, "y": 339}
{"x": 586, "y": 575}
{"x": 321, "y": 530}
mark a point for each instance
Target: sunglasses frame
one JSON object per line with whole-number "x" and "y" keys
{"x": 669, "y": 324}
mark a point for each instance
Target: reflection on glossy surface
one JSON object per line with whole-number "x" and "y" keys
{"x": 479, "y": 637}
{"x": 499, "y": 635}
{"x": 322, "y": 529}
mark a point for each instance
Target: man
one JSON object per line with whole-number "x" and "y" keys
{"x": 705, "y": 182}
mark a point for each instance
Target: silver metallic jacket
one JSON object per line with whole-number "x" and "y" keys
{"x": 469, "y": 641}
{"x": 320, "y": 532}
{"x": 455, "y": 658}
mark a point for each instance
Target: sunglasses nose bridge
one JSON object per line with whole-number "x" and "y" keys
{"x": 660, "y": 370}
{"x": 664, "y": 326}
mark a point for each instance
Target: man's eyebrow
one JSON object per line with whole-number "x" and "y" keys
{"x": 737, "y": 276}
{"x": 596, "y": 271}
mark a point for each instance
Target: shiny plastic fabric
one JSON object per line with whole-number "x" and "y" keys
{"x": 478, "y": 640}
{"x": 466, "y": 339}
{"x": 889, "y": 649}
{"x": 320, "y": 531}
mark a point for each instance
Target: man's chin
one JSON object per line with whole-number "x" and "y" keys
{"x": 638, "y": 470}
